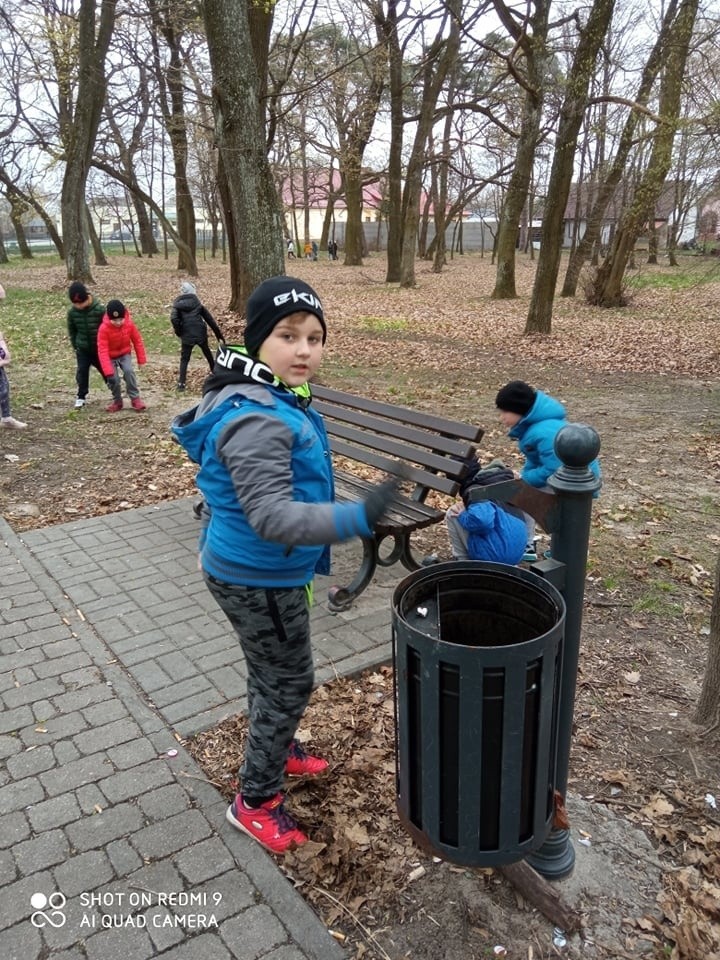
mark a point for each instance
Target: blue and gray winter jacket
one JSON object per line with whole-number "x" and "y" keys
{"x": 266, "y": 476}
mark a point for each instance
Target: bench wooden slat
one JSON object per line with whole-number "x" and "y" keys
{"x": 392, "y": 428}
{"x": 443, "y": 425}
{"x": 402, "y": 512}
{"x": 421, "y": 449}
{"x": 427, "y": 459}
{"x": 396, "y": 468}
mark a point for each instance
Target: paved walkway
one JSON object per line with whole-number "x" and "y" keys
{"x": 109, "y": 847}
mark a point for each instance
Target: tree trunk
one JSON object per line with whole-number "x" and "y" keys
{"x": 571, "y": 115}
{"x": 707, "y": 710}
{"x": 389, "y": 28}
{"x": 80, "y": 133}
{"x": 593, "y": 227}
{"x": 252, "y": 199}
{"x": 438, "y": 61}
{"x": 609, "y": 284}
{"x": 534, "y": 47}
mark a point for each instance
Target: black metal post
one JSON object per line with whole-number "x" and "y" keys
{"x": 565, "y": 515}
{"x": 576, "y": 445}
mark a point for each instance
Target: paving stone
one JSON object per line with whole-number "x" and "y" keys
{"x": 189, "y": 706}
{"x": 44, "y": 851}
{"x": 231, "y": 681}
{"x": 61, "y": 648}
{"x": 86, "y": 871}
{"x": 14, "y": 656}
{"x": 43, "y": 711}
{"x": 90, "y": 799}
{"x": 15, "y": 719}
{"x": 136, "y": 781}
{"x": 181, "y": 691}
{"x": 123, "y": 858}
{"x": 54, "y": 813}
{"x": 150, "y": 676}
{"x": 66, "y": 751}
{"x": 100, "y": 714}
{"x": 76, "y": 774}
{"x": 171, "y": 835}
{"x": 77, "y": 699}
{"x": 109, "y": 735}
{"x": 21, "y": 942}
{"x": 177, "y": 666}
{"x": 21, "y": 676}
{"x": 257, "y": 929}
{"x": 8, "y": 867}
{"x": 230, "y": 893}
{"x": 9, "y": 745}
{"x": 119, "y": 944}
{"x": 83, "y": 677}
{"x": 205, "y": 860}
{"x": 31, "y": 692}
{"x": 31, "y": 762}
{"x": 162, "y": 930}
{"x": 287, "y": 952}
{"x": 53, "y": 728}
{"x": 62, "y": 665}
{"x": 17, "y": 796}
{"x": 206, "y": 946}
{"x": 14, "y": 827}
{"x": 99, "y": 829}
{"x": 16, "y": 899}
{"x": 131, "y": 754}
{"x": 164, "y": 802}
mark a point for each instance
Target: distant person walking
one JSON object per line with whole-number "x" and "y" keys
{"x": 116, "y": 338}
{"x": 291, "y": 249}
{"x": 83, "y": 321}
{"x": 190, "y": 320}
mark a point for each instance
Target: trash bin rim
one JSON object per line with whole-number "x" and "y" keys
{"x": 535, "y": 583}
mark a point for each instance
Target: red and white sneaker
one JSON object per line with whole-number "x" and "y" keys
{"x": 270, "y": 824}
{"x": 301, "y": 764}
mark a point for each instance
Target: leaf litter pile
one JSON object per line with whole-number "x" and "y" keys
{"x": 644, "y": 376}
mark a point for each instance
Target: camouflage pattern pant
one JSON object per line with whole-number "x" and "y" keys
{"x": 273, "y": 626}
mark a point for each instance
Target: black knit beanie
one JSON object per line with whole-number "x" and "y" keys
{"x": 274, "y": 299}
{"x": 115, "y": 309}
{"x": 515, "y": 397}
{"x": 78, "y": 292}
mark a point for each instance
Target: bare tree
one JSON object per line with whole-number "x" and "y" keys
{"x": 252, "y": 204}
{"x": 571, "y": 116}
{"x": 609, "y": 281}
{"x": 80, "y": 118}
{"x": 527, "y": 62}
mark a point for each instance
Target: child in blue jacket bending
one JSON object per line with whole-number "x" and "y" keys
{"x": 486, "y": 530}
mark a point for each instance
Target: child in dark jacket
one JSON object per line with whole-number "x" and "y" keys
{"x": 269, "y": 517}
{"x": 116, "y": 338}
{"x": 486, "y": 530}
{"x": 190, "y": 320}
{"x": 83, "y": 322}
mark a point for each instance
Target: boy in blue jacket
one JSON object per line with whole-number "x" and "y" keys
{"x": 269, "y": 516}
{"x": 534, "y": 419}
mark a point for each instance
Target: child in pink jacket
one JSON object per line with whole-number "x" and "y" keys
{"x": 117, "y": 335}
{"x": 6, "y": 420}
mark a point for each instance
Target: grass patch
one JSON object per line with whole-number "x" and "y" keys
{"x": 689, "y": 273}
{"x": 383, "y": 324}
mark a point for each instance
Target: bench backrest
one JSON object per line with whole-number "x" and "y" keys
{"x": 422, "y": 447}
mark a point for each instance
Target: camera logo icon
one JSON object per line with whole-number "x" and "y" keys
{"x": 48, "y": 910}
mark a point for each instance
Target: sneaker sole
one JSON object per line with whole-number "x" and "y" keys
{"x": 293, "y": 845}
{"x": 311, "y": 776}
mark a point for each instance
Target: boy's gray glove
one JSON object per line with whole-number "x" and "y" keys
{"x": 379, "y": 499}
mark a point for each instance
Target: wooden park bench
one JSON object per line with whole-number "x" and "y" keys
{"x": 425, "y": 451}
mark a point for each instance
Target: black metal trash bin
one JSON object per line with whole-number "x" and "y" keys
{"x": 477, "y": 654}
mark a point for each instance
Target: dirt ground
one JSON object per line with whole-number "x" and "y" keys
{"x": 644, "y": 781}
